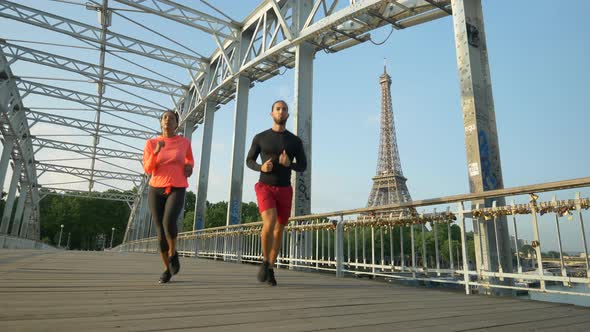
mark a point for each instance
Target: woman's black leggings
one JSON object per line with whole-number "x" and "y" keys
{"x": 165, "y": 209}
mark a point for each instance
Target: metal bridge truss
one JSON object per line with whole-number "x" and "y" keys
{"x": 102, "y": 130}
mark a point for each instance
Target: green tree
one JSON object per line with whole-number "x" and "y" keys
{"x": 188, "y": 221}
{"x": 85, "y": 219}
{"x": 250, "y": 213}
{"x": 216, "y": 214}
{"x": 455, "y": 250}
{"x": 189, "y": 201}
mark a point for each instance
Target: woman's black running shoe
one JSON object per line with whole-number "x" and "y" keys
{"x": 174, "y": 263}
{"x": 165, "y": 277}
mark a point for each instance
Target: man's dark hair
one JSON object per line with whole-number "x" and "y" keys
{"x": 278, "y": 101}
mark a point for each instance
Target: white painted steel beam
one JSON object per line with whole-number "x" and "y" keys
{"x": 83, "y": 31}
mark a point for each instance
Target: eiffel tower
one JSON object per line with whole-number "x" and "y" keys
{"x": 389, "y": 184}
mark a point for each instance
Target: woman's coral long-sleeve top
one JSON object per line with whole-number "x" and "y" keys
{"x": 167, "y": 167}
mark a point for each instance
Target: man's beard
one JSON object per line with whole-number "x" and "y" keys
{"x": 280, "y": 122}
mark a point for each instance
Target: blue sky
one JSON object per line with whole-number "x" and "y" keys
{"x": 539, "y": 71}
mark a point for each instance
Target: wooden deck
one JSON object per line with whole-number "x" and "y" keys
{"x": 102, "y": 291}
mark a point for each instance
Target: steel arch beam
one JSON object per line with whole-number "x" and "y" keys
{"x": 267, "y": 53}
{"x": 85, "y": 150}
{"x": 90, "y": 33}
{"x": 87, "y": 126}
{"x": 86, "y": 172}
{"x": 85, "y": 194}
{"x": 86, "y": 99}
{"x": 13, "y": 123}
{"x": 90, "y": 70}
{"x": 187, "y": 16}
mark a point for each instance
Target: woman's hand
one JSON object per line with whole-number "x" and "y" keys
{"x": 159, "y": 146}
{"x": 188, "y": 170}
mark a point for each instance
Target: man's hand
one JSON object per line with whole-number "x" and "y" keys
{"x": 267, "y": 166}
{"x": 284, "y": 159}
{"x": 188, "y": 170}
{"x": 159, "y": 146}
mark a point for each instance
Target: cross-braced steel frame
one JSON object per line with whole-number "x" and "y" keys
{"x": 99, "y": 132}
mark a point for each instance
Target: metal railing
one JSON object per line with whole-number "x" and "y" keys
{"x": 13, "y": 242}
{"x": 436, "y": 245}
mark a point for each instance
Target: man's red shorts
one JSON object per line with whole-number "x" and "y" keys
{"x": 270, "y": 197}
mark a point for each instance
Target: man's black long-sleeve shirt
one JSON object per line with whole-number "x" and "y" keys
{"x": 269, "y": 144}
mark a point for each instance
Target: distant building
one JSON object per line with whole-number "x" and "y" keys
{"x": 521, "y": 243}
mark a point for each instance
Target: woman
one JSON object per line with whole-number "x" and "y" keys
{"x": 169, "y": 160}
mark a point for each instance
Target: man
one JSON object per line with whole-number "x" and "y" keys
{"x": 280, "y": 152}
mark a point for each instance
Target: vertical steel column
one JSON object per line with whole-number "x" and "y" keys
{"x": 583, "y": 234}
{"x": 436, "y": 254}
{"x": 519, "y": 266}
{"x": 203, "y": 178}
{"x": 450, "y": 236}
{"x": 391, "y": 255}
{"x": 304, "y": 54}
{"x": 536, "y": 244}
{"x": 558, "y": 234}
{"x": 479, "y": 120}
{"x": 146, "y": 217}
{"x": 339, "y": 247}
{"x": 137, "y": 221}
{"x": 6, "y": 150}
{"x": 26, "y": 220}
{"x": 413, "y": 251}
{"x": 373, "y": 250}
{"x": 189, "y": 127}
{"x": 464, "y": 249}
{"x": 234, "y": 204}
{"x": 187, "y": 132}
{"x": 424, "y": 256}
{"x": 18, "y": 214}
{"x": 402, "y": 254}
{"x": 16, "y": 173}
{"x": 147, "y": 222}
{"x": 141, "y": 223}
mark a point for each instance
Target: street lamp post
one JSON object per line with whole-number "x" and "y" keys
{"x": 60, "y": 233}
{"x": 112, "y": 234}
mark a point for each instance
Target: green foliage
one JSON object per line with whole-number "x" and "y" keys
{"x": 89, "y": 220}
{"x": 250, "y": 213}
{"x": 86, "y": 219}
{"x": 216, "y": 213}
{"x": 189, "y": 201}
{"x": 397, "y": 234}
{"x": 188, "y": 221}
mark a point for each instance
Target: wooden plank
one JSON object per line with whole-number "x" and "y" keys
{"x": 97, "y": 291}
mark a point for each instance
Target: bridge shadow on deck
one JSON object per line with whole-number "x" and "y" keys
{"x": 106, "y": 291}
